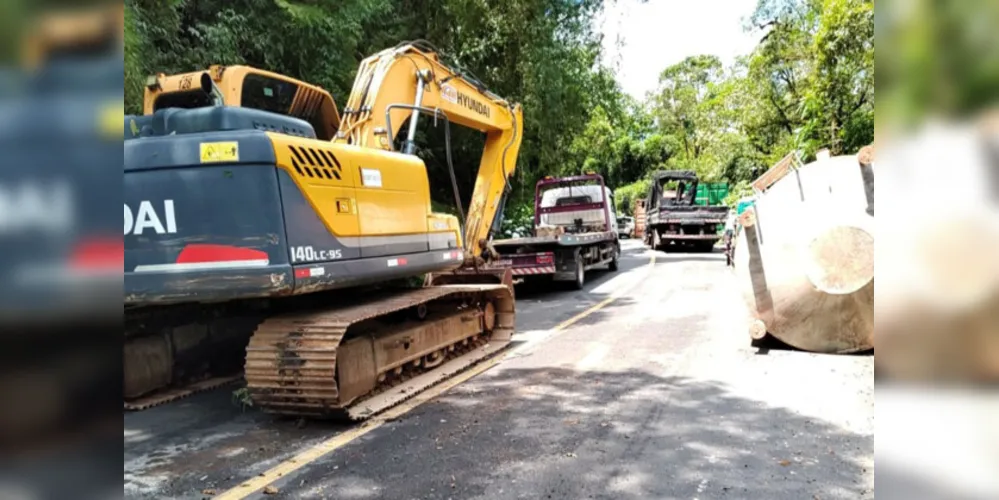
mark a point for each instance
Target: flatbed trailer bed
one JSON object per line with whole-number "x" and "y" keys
{"x": 559, "y": 257}
{"x": 562, "y": 240}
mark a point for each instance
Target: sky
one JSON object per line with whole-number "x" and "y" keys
{"x": 664, "y": 32}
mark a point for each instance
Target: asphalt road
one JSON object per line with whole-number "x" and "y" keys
{"x": 655, "y": 395}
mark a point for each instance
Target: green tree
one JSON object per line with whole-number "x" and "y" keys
{"x": 809, "y": 83}
{"x": 839, "y": 104}
{"x": 681, "y": 103}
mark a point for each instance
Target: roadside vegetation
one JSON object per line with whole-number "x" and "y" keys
{"x": 808, "y": 84}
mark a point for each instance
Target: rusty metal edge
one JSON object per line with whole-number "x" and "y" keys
{"x": 168, "y": 396}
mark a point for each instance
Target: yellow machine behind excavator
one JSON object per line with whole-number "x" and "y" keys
{"x": 248, "y": 87}
{"x": 254, "y": 210}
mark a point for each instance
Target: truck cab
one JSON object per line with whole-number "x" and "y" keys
{"x": 576, "y": 209}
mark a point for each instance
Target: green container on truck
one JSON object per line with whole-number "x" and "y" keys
{"x": 711, "y": 193}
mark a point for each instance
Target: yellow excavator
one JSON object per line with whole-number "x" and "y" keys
{"x": 254, "y": 210}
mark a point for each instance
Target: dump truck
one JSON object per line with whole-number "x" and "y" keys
{"x": 674, "y": 220}
{"x": 574, "y": 231}
{"x": 805, "y": 254}
{"x": 262, "y": 237}
{"x": 61, "y": 260}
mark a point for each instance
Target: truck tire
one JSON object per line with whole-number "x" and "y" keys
{"x": 613, "y": 263}
{"x": 580, "y": 280}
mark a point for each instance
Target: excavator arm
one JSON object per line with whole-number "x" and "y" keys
{"x": 395, "y": 83}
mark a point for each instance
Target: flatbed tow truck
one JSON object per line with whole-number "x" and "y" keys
{"x": 574, "y": 232}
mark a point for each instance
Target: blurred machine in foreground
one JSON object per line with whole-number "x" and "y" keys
{"x": 938, "y": 299}
{"x": 805, "y": 255}
{"x": 60, "y": 255}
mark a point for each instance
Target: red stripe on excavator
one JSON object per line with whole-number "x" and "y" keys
{"x": 98, "y": 253}
{"x": 201, "y": 257}
{"x": 218, "y": 253}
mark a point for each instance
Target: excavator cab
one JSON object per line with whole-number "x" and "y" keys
{"x": 244, "y": 87}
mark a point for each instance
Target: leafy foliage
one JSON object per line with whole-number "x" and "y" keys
{"x": 518, "y": 222}
{"x": 626, "y": 195}
{"x": 944, "y": 60}
{"x": 808, "y": 84}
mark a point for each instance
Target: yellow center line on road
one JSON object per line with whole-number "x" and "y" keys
{"x": 603, "y": 303}
{"x": 251, "y": 486}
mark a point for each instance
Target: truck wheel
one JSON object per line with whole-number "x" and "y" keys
{"x": 580, "y": 273}
{"x": 613, "y": 263}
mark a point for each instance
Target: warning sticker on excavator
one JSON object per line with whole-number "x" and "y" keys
{"x": 371, "y": 177}
{"x": 214, "y": 152}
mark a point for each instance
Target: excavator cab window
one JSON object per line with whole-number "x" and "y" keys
{"x": 188, "y": 99}
{"x": 259, "y": 92}
{"x": 277, "y": 96}
{"x": 268, "y": 94}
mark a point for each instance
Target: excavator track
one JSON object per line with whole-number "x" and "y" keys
{"x": 353, "y": 361}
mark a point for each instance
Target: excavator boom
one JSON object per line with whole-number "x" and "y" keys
{"x": 394, "y": 84}
{"x": 290, "y": 359}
